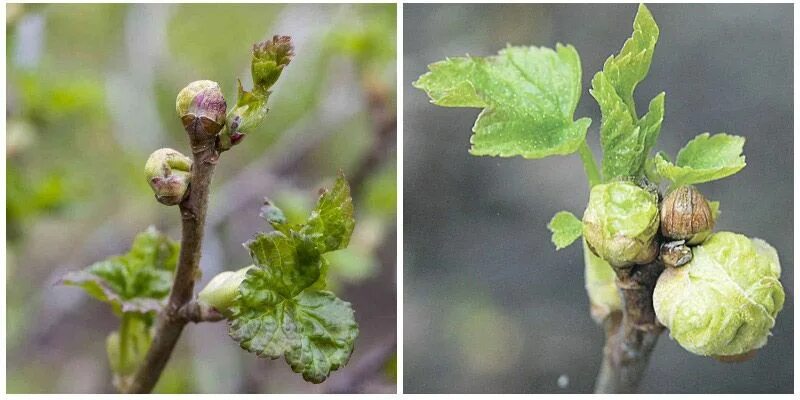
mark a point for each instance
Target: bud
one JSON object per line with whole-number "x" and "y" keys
{"x": 686, "y": 215}
{"x": 675, "y": 254}
{"x": 222, "y": 289}
{"x": 169, "y": 173}
{"x": 601, "y": 286}
{"x": 723, "y": 302}
{"x": 620, "y": 223}
{"x": 269, "y": 60}
{"x": 136, "y": 346}
{"x": 201, "y": 107}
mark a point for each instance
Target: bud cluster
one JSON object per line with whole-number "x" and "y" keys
{"x": 721, "y": 292}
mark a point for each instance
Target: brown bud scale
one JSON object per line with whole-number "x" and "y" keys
{"x": 685, "y": 212}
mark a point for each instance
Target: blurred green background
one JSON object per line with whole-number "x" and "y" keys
{"x": 91, "y": 92}
{"x": 489, "y": 305}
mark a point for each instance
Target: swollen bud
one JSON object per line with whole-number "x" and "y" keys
{"x": 201, "y": 107}
{"x": 686, "y": 215}
{"x": 222, "y": 289}
{"x": 620, "y": 223}
{"x": 169, "y": 173}
{"x": 725, "y": 300}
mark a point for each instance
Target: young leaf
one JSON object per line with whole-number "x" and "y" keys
{"x": 284, "y": 270}
{"x": 705, "y": 158}
{"x": 136, "y": 281}
{"x": 566, "y": 228}
{"x": 315, "y": 330}
{"x": 331, "y": 222}
{"x": 619, "y": 135}
{"x": 632, "y": 64}
{"x": 627, "y": 140}
{"x": 528, "y": 96}
{"x": 269, "y": 59}
{"x": 281, "y": 308}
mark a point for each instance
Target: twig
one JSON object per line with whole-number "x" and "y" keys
{"x": 193, "y": 211}
{"x": 631, "y": 336}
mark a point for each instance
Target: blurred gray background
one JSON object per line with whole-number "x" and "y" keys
{"x": 490, "y": 306}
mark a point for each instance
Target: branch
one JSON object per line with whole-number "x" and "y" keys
{"x": 631, "y": 336}
{"x": 193, "y": 211}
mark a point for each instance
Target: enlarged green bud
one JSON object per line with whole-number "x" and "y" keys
{"x": 222, "y": 289}
{"x": 724, "y": 301}
{"x": 601, "y": 286}
{"x": 620, "y": 222}
{"x": 686, "y": 215}
{"x": 201, "y": 107}
{"x": 169, "y": 173}
{"x": 269, "y": 59}
{"x": 136, "y": 346}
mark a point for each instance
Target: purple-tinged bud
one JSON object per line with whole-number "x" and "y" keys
{"x": 169, "y": 173}
{"x": 201, "y": 107}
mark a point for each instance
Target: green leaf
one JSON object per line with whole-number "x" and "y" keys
{"x": 314, "y": 330}
{"x": 650, "y": 127}
{"x": 328, "y": 330}
{"x": 632, "y": 64}
{"x": 282, "y": 307}
{"x": 331, "y": 222}
{"x": 285, "y": 270}
{"x": 620, "y": 137}
{"x": 528, "y": 94}
{"x": 566, "y": 229}
{"x": 705, "y": 158}
{"x": 137, "y": 281}
{"x": 627, "y": 140}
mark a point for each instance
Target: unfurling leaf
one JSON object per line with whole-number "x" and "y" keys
{"x": 528, "y": 96}
{"x": 566, "y": 228}
{"x": 133, "y": 282}
{"x": 269, "y": 60}
{"x": 627, "y": 140}
{"x": 331, "y": 222}
{"x": 282, "y": 307}
{"x": 705, "y": 158}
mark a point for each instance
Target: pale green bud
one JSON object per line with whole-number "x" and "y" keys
{"x": 601, "y": 286}
{"x": 168, "y": 173}
{"x": 137, "y": 344}
{"x": 620, "y": 222}
{"x": 222, "y": 289}
{"x": 724, "y": 301}
{"x": 201, "y": 107}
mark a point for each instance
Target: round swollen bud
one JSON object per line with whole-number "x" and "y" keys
{"x": 620, "y": 223}
{"x": 222, "y": 289}
{"x": 723, "y": 302}
{"x": 169, "y": 173}
{"x": 686, "y": 215}
{"x": 201, "y": 107}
